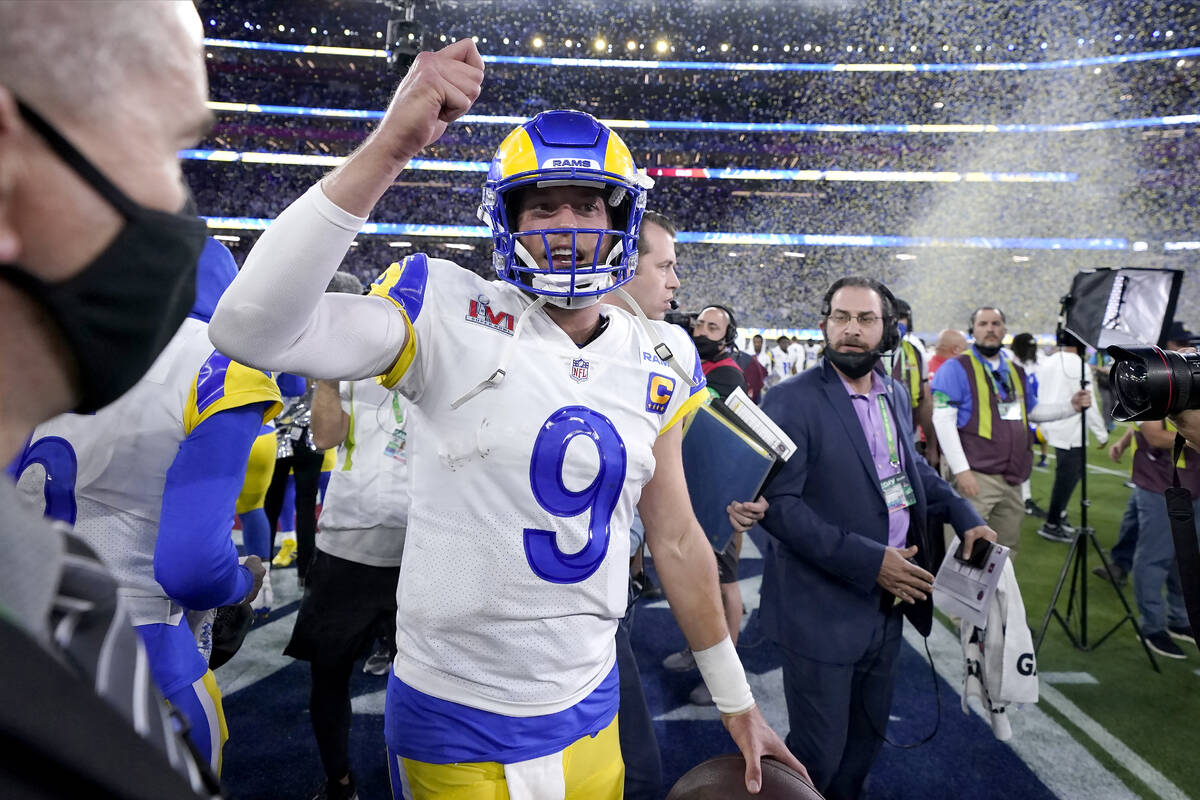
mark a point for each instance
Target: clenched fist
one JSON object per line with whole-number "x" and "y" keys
{"x": 438, "y": 89}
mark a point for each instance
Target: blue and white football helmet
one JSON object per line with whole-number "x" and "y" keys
{"x": 558, "y": 148}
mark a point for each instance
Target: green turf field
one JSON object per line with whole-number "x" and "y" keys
{"x": 1156, "y": 715}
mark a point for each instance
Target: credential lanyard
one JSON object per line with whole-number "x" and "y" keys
{"x": 889, "y": 434}
{"x": 396, "y": 412}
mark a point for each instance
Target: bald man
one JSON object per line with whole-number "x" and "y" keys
{"x": 97, "y": 259}
{"x": 950, "y": 344}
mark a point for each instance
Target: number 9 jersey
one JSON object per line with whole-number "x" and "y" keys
{"x": 516, "y": 560}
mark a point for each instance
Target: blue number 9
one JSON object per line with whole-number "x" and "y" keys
{"x": 600, "y": 497}
{"x": 57, "y": 457}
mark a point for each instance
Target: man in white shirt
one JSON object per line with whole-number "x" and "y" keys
{"x": 1058, "y": 380}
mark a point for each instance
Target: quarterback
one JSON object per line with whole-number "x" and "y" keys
{"x": 544, "y": 418}
{"x": 149, "y": 481}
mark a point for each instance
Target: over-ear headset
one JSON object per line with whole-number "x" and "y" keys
{"x": 891, "y": 331}
{"x": 730, "y": 330}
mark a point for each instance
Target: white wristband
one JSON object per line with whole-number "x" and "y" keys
{"x": 726, "y": 680}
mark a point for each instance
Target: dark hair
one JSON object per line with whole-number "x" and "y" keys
{"x": 887, "y": 301}
{"x": 903, "y": 309}
{"x": 1024, "y": 347}
{"x": 654, "y": 218}
{"x": 997, "y": 309}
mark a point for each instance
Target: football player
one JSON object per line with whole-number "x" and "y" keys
{"x": 543, "y": 423}
{"x": 150, "y": 481}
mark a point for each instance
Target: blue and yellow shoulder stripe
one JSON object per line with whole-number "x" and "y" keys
{"x": 698, "y": 396}
{"x": 221, "y": 384}
{"x": 403, "y": 285}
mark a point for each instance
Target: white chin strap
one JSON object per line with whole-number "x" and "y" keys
{"x": 660, "y": 347}
{"x": 562, "y": 282}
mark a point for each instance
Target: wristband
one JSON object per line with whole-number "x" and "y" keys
{"x": 726, "y": 679}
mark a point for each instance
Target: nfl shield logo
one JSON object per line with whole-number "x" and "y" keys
{"x": 579, "y": 370}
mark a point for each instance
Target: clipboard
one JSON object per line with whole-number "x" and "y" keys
{"x": 722, "y": 462}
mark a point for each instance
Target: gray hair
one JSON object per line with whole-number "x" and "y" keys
{"x": 344, "y": 282}
{"x": 76, "y": 60}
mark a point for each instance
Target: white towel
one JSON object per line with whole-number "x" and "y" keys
{"x": 537, "y": 779}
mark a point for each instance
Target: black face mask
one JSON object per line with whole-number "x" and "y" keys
{"x": 852, "y": 364}
{"x": 987, "y": 351}
{"x": 122, "y": 309}
{"x": 707, "y": 348}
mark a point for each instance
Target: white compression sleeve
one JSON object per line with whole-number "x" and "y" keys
{"x": 277, "y": 316}
{"x": 945, "y": 423}
{"x": 1048, "y": 412}
{"x": 724, "y": 676}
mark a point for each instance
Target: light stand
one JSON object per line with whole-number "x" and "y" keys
{"x": 1076, "y": 564}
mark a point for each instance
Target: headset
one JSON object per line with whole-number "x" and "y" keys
{"x": 891, "y": 330}
{"x": 731, "y": 329}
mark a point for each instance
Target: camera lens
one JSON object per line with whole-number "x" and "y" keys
{"x": 1132, "y": 381}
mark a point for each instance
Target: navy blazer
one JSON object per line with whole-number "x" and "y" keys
{"x": 829, "y": 521}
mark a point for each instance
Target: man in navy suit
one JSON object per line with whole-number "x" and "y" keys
{"x": 850, "y": 553}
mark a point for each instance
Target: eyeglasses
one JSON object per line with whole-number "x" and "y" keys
{"x": 866, "y": 319}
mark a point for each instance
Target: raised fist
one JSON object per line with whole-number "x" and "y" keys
{"x": 438, "y": 89}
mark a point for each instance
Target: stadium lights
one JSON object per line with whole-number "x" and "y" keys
{"x": 1139, "y": 247}
{"x": 1020, "y": 259}
{"x": 905, "y": 257}
{"x": 750, "y": 238}
{"x": 458, "y": 246}
{"x": 537, "y": 42}
{"x": 661, "y": 46}
{"x": 569, "y": 43}
{"x": 758, "y": 66}
{"x": 631, "y": 45}
{"x": 705, "y": 173}
{"x": 220, "y": 237}
{"x": 751, "y": 127}
{"x": 399, "y": 244}
{"x": 793, "y": 254}
{"x": 599, "y": 44}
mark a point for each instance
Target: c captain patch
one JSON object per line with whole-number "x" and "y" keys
{"x": 658, "y": 393}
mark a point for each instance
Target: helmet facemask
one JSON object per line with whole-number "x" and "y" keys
{"x": 572, "y": 148}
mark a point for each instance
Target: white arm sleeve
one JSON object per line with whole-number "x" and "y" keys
{"x": 276, "y": 314}
{"x": 945, "y": 423}
{"x": 1048, "y": 412}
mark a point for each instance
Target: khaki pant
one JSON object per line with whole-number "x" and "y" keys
{"x": 999, "y": 503}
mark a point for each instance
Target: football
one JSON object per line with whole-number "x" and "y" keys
{"x": 724, "y": 778}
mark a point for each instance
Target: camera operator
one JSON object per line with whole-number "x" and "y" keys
{"x": 1154, "y": 566}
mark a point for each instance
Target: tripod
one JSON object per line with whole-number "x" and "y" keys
{"x": 1076, "y": 564}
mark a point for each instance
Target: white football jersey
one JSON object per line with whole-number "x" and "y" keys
{"x": 365, "y": 511}
{"x": 105, "y": 472}
{"x": 516, "y": 562}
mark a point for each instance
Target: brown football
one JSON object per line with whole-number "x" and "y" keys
{"x": 724, "y": 778}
